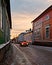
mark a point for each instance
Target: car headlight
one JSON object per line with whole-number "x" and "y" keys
{"x": 22, "y": 43}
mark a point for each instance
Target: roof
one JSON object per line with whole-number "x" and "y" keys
{"x": 42, "y": 14}
{"x": 8, "y": 11}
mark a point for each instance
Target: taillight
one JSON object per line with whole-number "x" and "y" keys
{"x": 27, "y": 43}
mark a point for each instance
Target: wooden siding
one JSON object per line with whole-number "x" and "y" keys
{"x": 1, "y": 37}
{"x": 46, "y": 20}
{"x": 4, "y": 22}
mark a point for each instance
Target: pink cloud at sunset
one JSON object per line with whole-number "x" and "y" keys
{"x": 20, "y": 23}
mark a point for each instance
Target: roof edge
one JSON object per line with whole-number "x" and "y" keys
{"x": 43, "y": 13}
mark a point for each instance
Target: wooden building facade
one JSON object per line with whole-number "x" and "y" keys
{"x": 5, "y": 21}
{"x": 42, "y": 26}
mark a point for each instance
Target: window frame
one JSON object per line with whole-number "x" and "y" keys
{"x": 47, "y": 37}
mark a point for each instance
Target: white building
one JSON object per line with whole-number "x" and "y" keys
{"x": 21, "y": 37}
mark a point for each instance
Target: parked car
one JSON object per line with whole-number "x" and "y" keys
{"x": 24, "y": 43}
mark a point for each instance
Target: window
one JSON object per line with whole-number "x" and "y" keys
{"x": 47, "y": 17}
{"x": 37, "y": 33}
{"x": 38, "y": 22}
{"x": 47, "y": 31}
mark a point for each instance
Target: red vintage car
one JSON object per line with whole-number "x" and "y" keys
{"x": 24, "y": 43}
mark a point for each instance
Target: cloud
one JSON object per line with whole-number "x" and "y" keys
{"x": 21, "y": 20}
{"x": 24, "y": 11}
{"x": 29, "y": 6}
{"x": 50, "y": 2}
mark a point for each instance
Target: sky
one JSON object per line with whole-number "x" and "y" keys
{"x": 23, "y": 12}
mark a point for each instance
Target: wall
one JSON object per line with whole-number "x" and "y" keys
{"x": 21, "y": 37}
{"x": 1, "y": 37}
{"x": 5, "y": 23}
{"x": 3, "y": 49}
{"x": 41, "y": 24}
{"x": 28, "y": 37}
{"x": 51, "y": 25}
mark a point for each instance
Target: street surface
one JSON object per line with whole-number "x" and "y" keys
{"x": 31, "y": 55}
